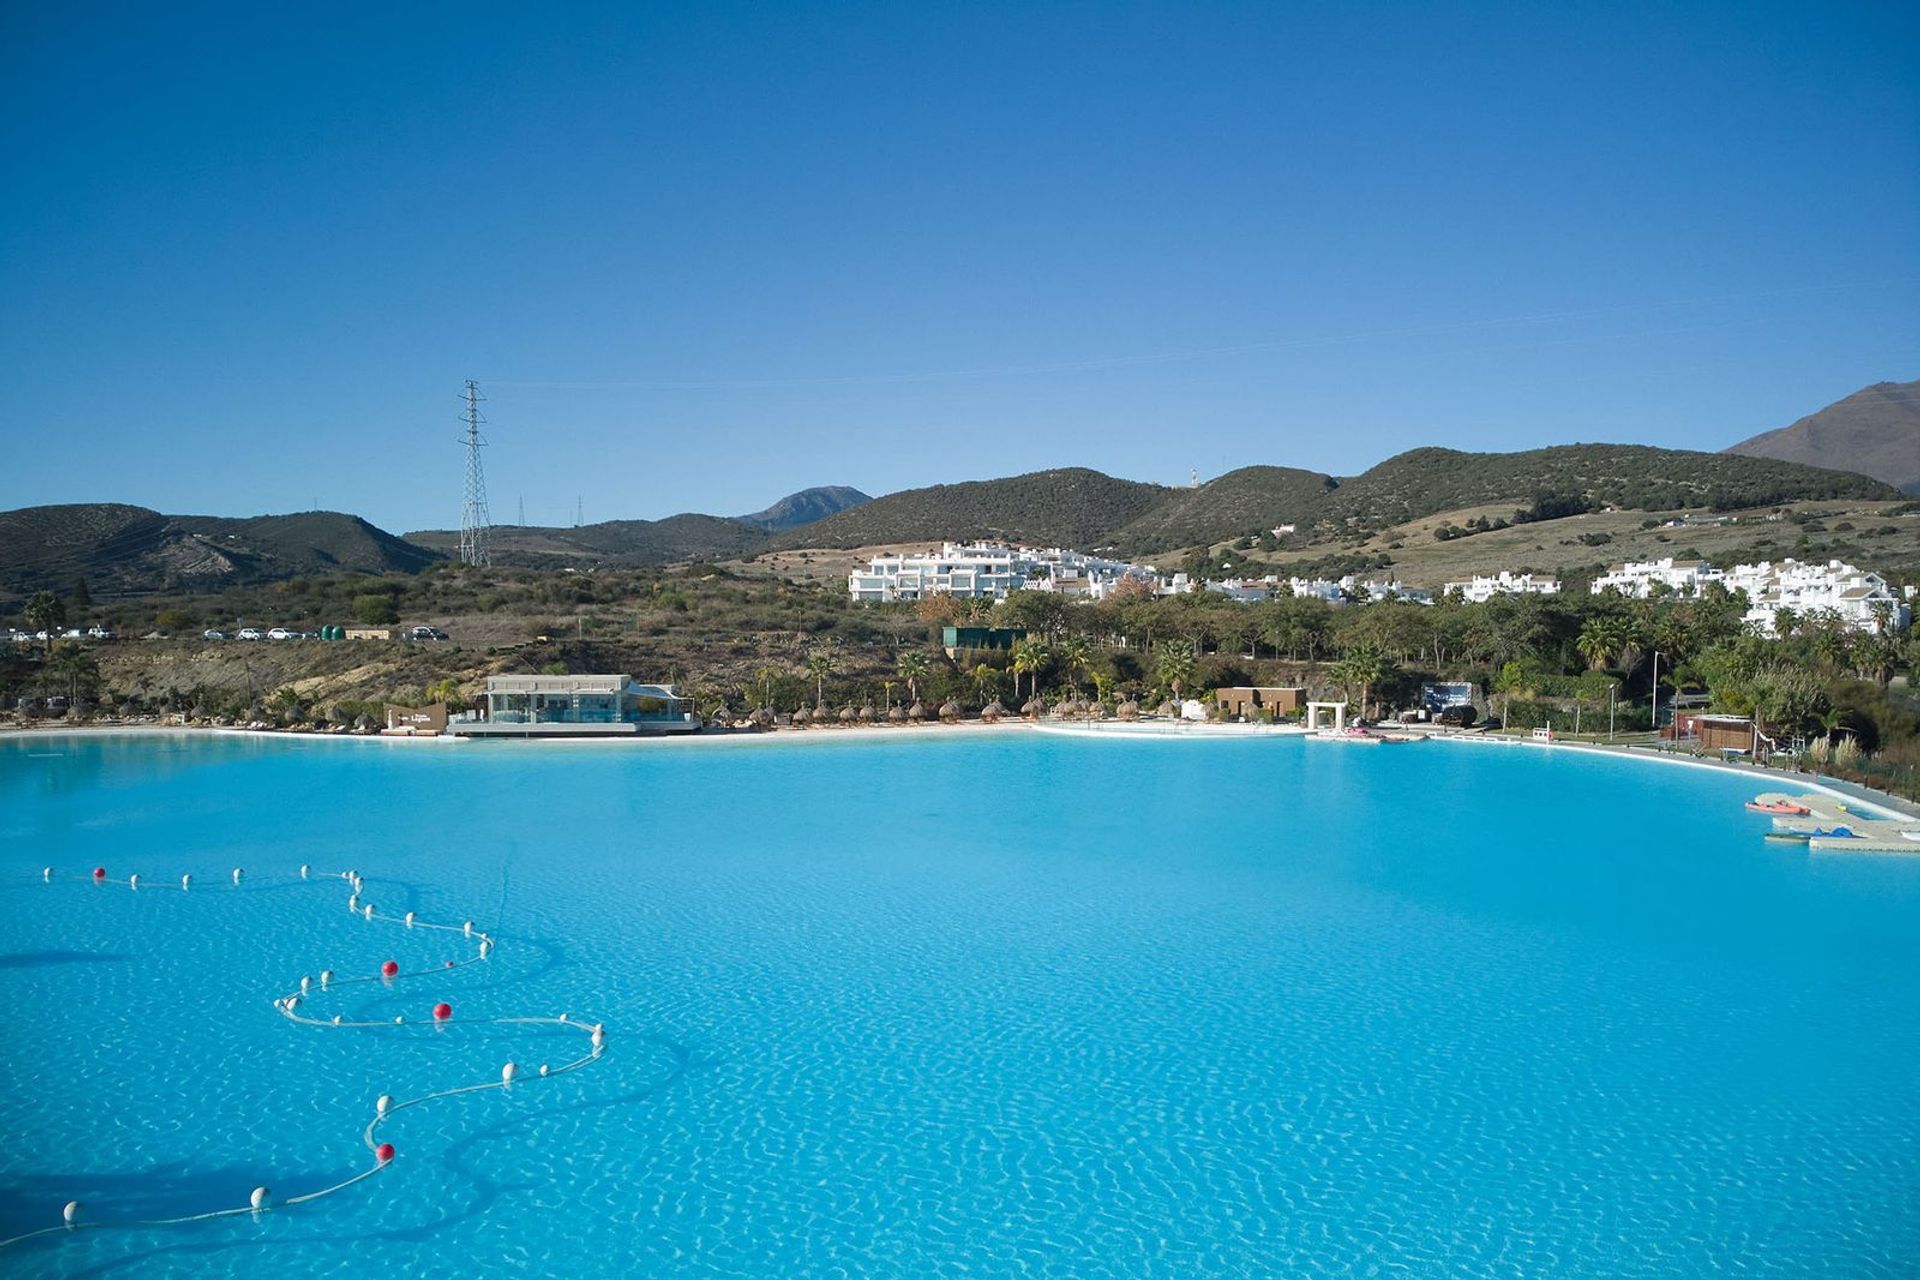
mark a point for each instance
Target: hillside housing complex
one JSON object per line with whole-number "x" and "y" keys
{"x": 1859, "y": 599}
{"x": 989, "y": 571}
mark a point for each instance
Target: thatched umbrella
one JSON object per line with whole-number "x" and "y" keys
{"x": 822, "y": 713}
{"x": 1129, "y": 710}
{"x": 760, "y": 717}
{"x": 848, "y": 715}
{"x": 720, "y": 716}
{"x": 918, "y": 711}
{"x": 802, "y": 716}
{"x": 950, "y": 710}
{"x": 1034, "y": 709}
{"x": 896, "y": 715}
{"x": 363, "y": 723}
{"x": 868, "y": 715}
{"x": 1169, "y": 709}
{"x": 992, "y": 711}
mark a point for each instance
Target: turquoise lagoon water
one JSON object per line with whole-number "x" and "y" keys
{"x": 960, "y": 1004}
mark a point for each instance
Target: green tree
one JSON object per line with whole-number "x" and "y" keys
{"x": 820, "y": 666}
{"x": 77, "y": 672}
{"x": 912, "y": 666}
{"x": 1178, "y": 658}
{"x": 375, "y": 609}
{"x": 1030, "y": 658}
{"x": 46, "y": 613}
{"x": 1076, "y": 655}
{"x": 1363, "y": 665}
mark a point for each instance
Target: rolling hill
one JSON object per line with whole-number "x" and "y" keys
{"x": 1875, "y": 431}
{"x": 1072, "y": 506}
{"x": 119, "y": 548}
{"x": 614, "y": 544}
{"x": 1424, "y": 482}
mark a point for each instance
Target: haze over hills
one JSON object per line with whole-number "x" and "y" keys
{"x": 1875, "y": 431}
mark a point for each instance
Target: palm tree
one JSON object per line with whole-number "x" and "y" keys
{"x": 1177, "y": 662}
{"x": 1076, "y": 656}
{"x": 77, "y": 668}
{"x": 1030, "y": 657}
{"x": 1596, "y": 643}
{"x": 887, "y": 704}
{"x": 1363, "y": 665}
{"x": 766, "y": 677}
{"x": 46, "y": 613}
{"x": 982, "y": 676}
{"x": 912, "y": 667}
{"x": 820, "y": 666}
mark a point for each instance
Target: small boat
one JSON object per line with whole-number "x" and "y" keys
{"x": 1789, "y": 837}
{"x": 1786, "y": 807}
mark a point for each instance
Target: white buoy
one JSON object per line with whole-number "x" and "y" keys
{"x": 260, "y": 1199}
{"x": 599, "y": 1037}
{"x": 71, "y": 1214}
{"x": 326, "y": 978}
{"x": 399, "y": 1018}
{"x": 409, "y": 919}
{"x": 367, "y": 911}
{"x": 466, "y": 929}
{"x": 353, "y": 902}
{"x": 382, "y": 1105}
{"x": 543, "y": 1070}
{"x": 337, "y": 1020}
{"x": 292, "y": 1003}
{"x": 46, "y": 873}
{"x": 303, "y": 871}
{"x": 508, "y": 1072}
{"x": 186, "y": 882}
{"x": 486, "y": 947}
{"x": 236, "y": 875}
{"x": 133, "y": 881}
{"x": 306, "y": 984}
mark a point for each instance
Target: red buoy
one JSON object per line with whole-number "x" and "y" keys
{"x": 99, "y": 873}
{"x": 442, "y": 1011}
{"x": 384, "y": 1152}
{"x": 389, "y": 968}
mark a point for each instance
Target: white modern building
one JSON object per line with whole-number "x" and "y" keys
{"x": 988, "y": 571}
{"x": 1862, "y": 601}
{"x": 1480, "y": 589}
{"x": 1637, "y": 579}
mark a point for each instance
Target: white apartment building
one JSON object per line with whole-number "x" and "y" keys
{"x": 1636, "y": 579}
{"x": 988, "y": 571}
{"x": 1859, "y": 599}
{"x": 1480, "y": 589}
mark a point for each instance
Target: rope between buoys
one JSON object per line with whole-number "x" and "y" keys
{"x": 289, "y": 1007}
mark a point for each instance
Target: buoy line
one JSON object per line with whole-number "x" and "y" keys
{"x": 292, "y": 1007}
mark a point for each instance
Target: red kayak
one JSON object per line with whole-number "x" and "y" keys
{"x": 1781, "y": 807}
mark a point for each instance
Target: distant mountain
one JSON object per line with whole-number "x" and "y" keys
{"x": 1073, "y": 507}
{"x": 1875, "y": 431}
{"x": 613, "y": 544}
{"x": 805, "y": 507}
{"x": 118, "y": 548}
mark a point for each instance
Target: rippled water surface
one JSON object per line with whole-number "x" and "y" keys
{"x": 985, "y": 1004}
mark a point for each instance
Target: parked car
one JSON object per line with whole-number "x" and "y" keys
{"x": 213, "y": 634}
{"x": 281, "y": 633}
{"x": 251, "y": 633}
{"x": 99, "y": 633}
{"x": 426, "y": 633}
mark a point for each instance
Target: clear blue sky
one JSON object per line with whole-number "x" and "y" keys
{"x": 699, "y": 256}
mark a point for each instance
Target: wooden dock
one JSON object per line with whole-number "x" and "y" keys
{"x": 1828, "y": 815}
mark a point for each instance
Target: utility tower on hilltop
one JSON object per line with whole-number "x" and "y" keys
{"x": 476, "y": 527}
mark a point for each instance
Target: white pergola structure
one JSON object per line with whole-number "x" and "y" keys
{"x": 1339, "y": 710}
